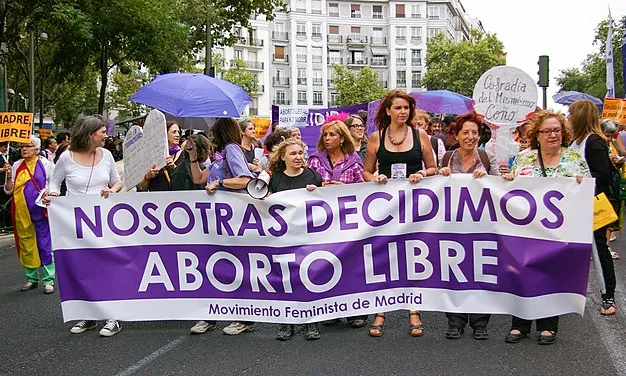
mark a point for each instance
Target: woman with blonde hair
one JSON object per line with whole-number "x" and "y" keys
{"x": 590, "y": 142}
{"x": 422, "y": 120}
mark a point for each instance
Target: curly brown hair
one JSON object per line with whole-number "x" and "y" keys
{"x": 532, "y": 127}
{"x": 382, "y": 119}
{"x": 276, "y": 159}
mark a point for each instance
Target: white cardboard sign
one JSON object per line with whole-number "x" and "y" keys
{"x": 144, "y": 148}
{"x": 505, "y": 95}
{"x": 292, "y": 116}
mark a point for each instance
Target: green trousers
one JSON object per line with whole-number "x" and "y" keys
{"x": 48, "y": 274}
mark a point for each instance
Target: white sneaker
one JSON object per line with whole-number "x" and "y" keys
{"x": 238, "y": 328}
{"x": 83, "y": 326}
{"x": 111, "y": 328}
{"x": 202, "y": 327}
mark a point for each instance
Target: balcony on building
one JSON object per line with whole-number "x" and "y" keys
{"x": 260, "y": 89}
{"x": 300, "y": 10}
{"x": 400, "y": 62}
{"x": 301, "y": 58}
{"x": 280, "y": 35}
{"x": 333, "y": 13}
{"x": 378, "y": 40}
{"x": 377, "y": 15}
{"x": 358, "y": 40}
{"x": 280, "y": 81}
{"x": 280, "y": 58}
{"x": 334, "y": 38}
{"x": 416, "y": 83}
{"x": 416, "y": 62}
{"x": 302, "y": 102}
{"x": 253, "y": 111}
{"x": 249, "y": 42}
{"x": 316, "y": 35}
{"x": 335, "y": 60}
{"x": 400, "y": 39}
{"x": 301, "y": 80}
{"x": 317, "y": 103}
{"x": 416, "y": 15}
{"x": 355, "y": 14}
{"x": 416, "y": 40}
{"x": 317, "y": 82}
{"x": 301, "y": 34}
{"x": 379, "y": 61}
{"x": 255, "y": 65}
{"x": 281, "y": 101}
{"x": 357, "y": 61}
{"x": 401, "y": 84}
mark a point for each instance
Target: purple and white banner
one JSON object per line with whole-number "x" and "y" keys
{"x": 453, "y": 244}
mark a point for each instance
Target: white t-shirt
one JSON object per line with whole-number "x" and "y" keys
{"x": 580, "y": 148}
{"x": 81, "y": 180}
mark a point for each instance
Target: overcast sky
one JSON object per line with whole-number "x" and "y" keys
{"x": 562, "y": 29}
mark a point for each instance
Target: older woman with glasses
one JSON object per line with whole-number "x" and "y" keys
{"x": 548, "y": 157}
{"x": 29, "y": 178}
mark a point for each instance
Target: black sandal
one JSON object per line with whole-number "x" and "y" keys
{"x": 547, "y": 340}
{"x": 416, "y": 330}
{"x": 607, "y": 304}
{"x": 377, "y": 330}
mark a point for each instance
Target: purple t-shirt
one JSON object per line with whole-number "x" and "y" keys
{"x": 228, "y": 164}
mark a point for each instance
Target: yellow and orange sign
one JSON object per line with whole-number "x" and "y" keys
{"x": 614, "y": 109}
{"x": 16, "y": 126}
{"x": 261, "y": 125}
{"x": 44, "y": 133}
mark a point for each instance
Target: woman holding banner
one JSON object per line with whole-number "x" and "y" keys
{"x": 467, "y": 159}
{"x": 391, "y": 148}
{"x": 30, "y": 177}
{"x": 228, "y": 172}
{"x": 87, "y": 168}
{"x": 160, "y": 180}
{"x": 289, "y": 171}
{"x": 588, "y": 141}
{"x": 547, "y": 157}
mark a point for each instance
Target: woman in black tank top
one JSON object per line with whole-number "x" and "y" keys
{"x": 397, "y": 150}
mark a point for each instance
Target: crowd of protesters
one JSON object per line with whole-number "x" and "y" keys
{"x": 407, "y": 144}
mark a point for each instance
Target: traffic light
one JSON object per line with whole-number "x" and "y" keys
{"x": 544, "y": 71}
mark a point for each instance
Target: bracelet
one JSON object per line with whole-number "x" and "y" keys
{"x": 421, "y": 172}
{"x": 194, "y": 161}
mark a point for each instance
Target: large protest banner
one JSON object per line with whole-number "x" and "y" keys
{"x": 16, "y": 127}
{"x": 614, "y": 109}
{"x": 454, "y": 244}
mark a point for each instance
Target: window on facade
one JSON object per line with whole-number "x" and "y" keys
{"x": 301, "y": 29}
{"x": 416, "y": 11}
{"x": 302, "y": 97}
{"x": 416, "y": 33}
{"x": 333, "y": 9}
{"x": 239, "y": 54}
{"x": 416, "y": 79}
{"x": 377, "y": 11}
{"x": 301, "y": 54}
{"x": 317, "y": 77}
{"x": 400, "y": 33}
{"x": 431, "y": 32}
{"x": 317, "y": 98}
{"x": 355, "y": 30}
{"x": 433, "y": 12}
{"x": 316, "y": 30}
{"x": 301, "y": 76}
{"x": 333, "y": 98}
{"x": 416, "y": 57}
{"x": 316, "y": 54}
{"x": 401, "y": 57}
{"x": 333, "y": 29}
{"x": 281, "y": 97}
{"x": 316, "y": 7}
{"x": 334, "y": 57}
{"x": 279, "y": 52}
{"x": 401, "y": 79}
{"x": 355, "y": 11}
{"x": 400, "y": 10}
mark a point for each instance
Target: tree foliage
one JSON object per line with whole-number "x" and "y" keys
{"x": 355, "y": 88}
{"x": 124, "y": 84}
{"x": 590, "y": 78}
{"x": 456, "y": 66}
{"x": 237, "y": 74}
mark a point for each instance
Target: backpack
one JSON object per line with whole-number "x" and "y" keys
{"x": 482, "y": 154}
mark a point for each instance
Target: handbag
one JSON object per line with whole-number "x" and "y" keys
{"x": 603, "y": 212}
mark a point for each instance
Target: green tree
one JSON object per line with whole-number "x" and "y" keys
{"x": 125, "y": 83}
{"x": 590, "y": 78}
{"x": 237, "y": 74}
{"x": 456, "y": 66}
{"x": 355, "y": 88}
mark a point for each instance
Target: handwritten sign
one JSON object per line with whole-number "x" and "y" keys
{"x": 16, "y": 126}
{"x": 292, "y": 116}
{"x": 261, "y": 125}
{"x": 505, "y": 95}
{"x": 614, "y": 109}
{"x": 44, "y": 133}
{"x": 144, "y": 148}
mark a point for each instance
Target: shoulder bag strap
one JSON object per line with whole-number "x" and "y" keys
{"x": 484, "y": 158}
{"x": 540, "y": 158}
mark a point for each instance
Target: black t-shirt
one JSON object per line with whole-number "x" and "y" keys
{"x": 281, "y": 182}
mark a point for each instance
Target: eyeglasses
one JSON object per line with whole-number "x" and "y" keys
{"x": 546, "y": 132}
{"x": 27, "y": 146}
{"x": 361, "y": 126}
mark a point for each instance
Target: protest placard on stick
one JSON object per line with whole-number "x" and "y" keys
{"x": 16, "y": 126}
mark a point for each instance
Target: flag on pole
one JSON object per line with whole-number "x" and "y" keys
{"x": 610, "y": 76}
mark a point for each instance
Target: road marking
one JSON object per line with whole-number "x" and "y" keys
{"x": 154, "y": 356}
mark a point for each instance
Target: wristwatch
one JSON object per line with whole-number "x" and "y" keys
{"x": 220, "y": 183}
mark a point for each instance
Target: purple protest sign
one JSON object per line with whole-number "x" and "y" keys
{"x": 110, "y": 127}
{"x": 453, "y": 244}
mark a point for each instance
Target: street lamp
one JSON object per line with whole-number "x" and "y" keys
{"x": 10, "y": 95}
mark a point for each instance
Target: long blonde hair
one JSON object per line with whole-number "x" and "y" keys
{"x": 276, "y": 159}
{"x": 347, "y": 146}
{"x": 584, "y": 119}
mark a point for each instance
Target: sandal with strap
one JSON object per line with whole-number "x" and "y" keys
{"x": 608, "y": 307}
{"x": 547, "y": 340}
{"x": 416, "y": 330}
{"x": 377, "y": 330}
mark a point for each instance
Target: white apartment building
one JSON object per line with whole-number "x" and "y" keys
{"x": 293, "y": 55}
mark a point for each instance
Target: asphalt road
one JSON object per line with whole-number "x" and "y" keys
{"x": 35, "y": 341}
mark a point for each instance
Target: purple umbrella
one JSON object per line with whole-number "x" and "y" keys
{"x": 193, "y": 95}
{"x": 443, "y": 102}
{"x": 568, "y": 97}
